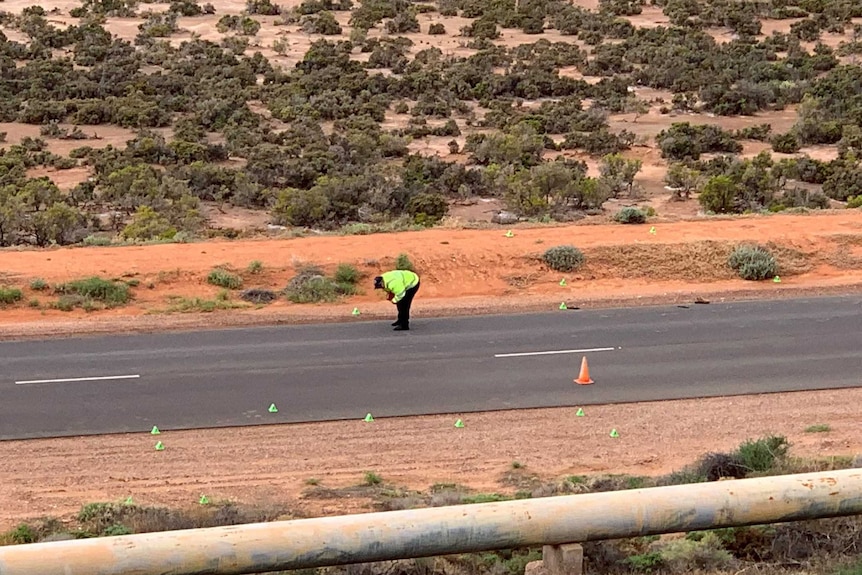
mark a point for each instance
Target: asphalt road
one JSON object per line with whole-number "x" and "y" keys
{"x": 450, "y": 365}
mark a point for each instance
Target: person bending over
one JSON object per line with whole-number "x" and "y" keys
{"x": 401, "y": 287}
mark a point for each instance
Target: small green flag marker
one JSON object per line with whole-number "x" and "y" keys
{"x": 652, "y": 230}
{"x": 509, "y": 234}
{"x": 273, "y": 408}
{"x": 614, "y": 433}
{"x": 129, "y": 500}
{"x": 368, "y": 418}
{"x": 776, "y": 279}
{"x": 580, "y": 412}
{"x": 356, "y": 311}
{"x": 155, "y": 431}
{"x": 563, "y": 306}
{"x": 160, "y": 446}
{"x": 563, "y": 282}
{"x": 459, "y": 424}
{"x": 204, "y": 500}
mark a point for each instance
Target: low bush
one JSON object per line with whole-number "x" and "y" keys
{"x": 38, "y": 284}
{"x": 753, "y": 262}
{"x": 347, "y": 274}
{"x": 685, "y": 555}
{"x": 786, "y": 143}
{"x": 631, "y": 215}
{"x": 311, "y": 285}
{"x": 10, "y": 296}
{"x": 402, "y": 262}
{"x": 563, "y": 258}
{"x": 110, "y": 293}
{"x": 854, "y": 202}
{"x": 255, "y": 267}
{"x": 759, "y": 455}
{"x": 222, "y": 278}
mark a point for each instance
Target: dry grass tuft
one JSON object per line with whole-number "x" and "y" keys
{"x": 705, "y": 260}
{"x": 842, "y": 256}
{"x": 791, "y": 261}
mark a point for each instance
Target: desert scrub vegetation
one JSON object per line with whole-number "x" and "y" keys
{"x": 563, "y": 258}
{"x": 752, "y": 262}
{"x": 224, "y": 99}
{"x": 403, "y": 262}
{"x": 92, "y": 292}
{"x": 181, "y": 304}
{"x": 631, "y": 215}
{"x": 311, "y": 285}
{"x": 10, "y": 295}
{"x": 222, "y": 277}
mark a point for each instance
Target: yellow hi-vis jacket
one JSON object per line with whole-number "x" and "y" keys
{"x": 398, "y": 282}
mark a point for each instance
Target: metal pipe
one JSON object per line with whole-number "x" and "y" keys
{"x": 328, "y": 541}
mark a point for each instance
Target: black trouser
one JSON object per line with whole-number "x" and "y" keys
{"x": 404, "y": 304}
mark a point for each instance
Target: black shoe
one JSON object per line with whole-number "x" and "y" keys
{"x": 394, "y": 323}
{"x": 401, "y": 328}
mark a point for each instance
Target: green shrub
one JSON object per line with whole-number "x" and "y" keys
{"x": 347, "y": 274}
{"x": 631, "y": 215}
{"x": 854, "y": 202}
{"x": 685, "y": 555}
{"x": 96, "y": 241}
{"x": 371, "y": 478}
{"x": 9, "y": 295}
{"x": 312, "y": 290}
{"x": 38, "y": 284}
{"x": 255, "y": 267}
{"x": 402, "y": 262}
{"x": 23, "y": 534}
{"x": 223, "y": 278}
{"x": 646, "y": 562}
{"x": 753, "y": 262}
{"x": 786, "y": 143}
{"x": 70, "y": 302}
{"x": 427, "y": 209}
{"x": 762, "y": 454}
{"x": 108, "y": 292}
{"x": 310, "y": 285}
{"x": 117, "y": 529}
{"x": 563, "y": 258}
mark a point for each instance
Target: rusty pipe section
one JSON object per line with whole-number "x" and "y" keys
{"x": 327, "y": 541}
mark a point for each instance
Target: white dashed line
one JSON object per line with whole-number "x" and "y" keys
{"x": 71, "y": 379}
{"x": 528, "y": 353}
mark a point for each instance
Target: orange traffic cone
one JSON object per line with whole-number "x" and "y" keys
{"x": 584, "y": 376}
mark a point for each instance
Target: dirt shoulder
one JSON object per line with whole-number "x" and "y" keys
{"x": 463, "y": 271}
